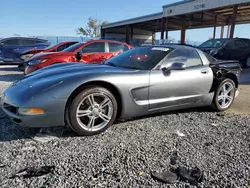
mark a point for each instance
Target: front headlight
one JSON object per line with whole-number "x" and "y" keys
{"x": 35, "y": 62}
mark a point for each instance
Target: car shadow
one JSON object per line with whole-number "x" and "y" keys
{"x": 245, "y": 77}
{"x": 11, "y": 68}
{"x": 188, "y": 110}
{"x": 11, "y": 77}
{"x": 10, "y": 131}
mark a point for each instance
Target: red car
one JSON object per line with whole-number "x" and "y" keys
{"x": 56, "y": 48}
{"x": 93, "y": 51}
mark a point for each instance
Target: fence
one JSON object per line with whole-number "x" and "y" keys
{"x": 135, "y": 42}
{"x": 55, "y": 40}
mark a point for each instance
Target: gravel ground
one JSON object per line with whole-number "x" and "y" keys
{"x": 217, "y": 143}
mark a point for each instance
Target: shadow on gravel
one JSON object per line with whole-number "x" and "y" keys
{"x": 245, "y": 77}
{"x": 190, "y": 110}
{"x": 10, "y": 77}
{"x": 11, "y": 69}
{"x": 10, "y": 131}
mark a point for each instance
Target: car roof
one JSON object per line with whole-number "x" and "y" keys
{"x": 174, "y": 46}
{"x": 104, "y": 40}
{"x": 242, "y": 38}
{"x": 31, "y": 38}
{"x": 64, "y": 42}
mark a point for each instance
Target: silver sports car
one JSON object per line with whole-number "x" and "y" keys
{"x": 141, "y": 81}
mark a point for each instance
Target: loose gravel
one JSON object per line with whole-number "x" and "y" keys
{"x": 127, "y": 153}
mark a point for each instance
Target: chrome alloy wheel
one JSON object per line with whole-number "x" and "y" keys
{"x": 226, "y": 95}
{"x": 94, "y": 112}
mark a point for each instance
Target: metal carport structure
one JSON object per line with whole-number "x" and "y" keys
{"x": 183, "y": 15}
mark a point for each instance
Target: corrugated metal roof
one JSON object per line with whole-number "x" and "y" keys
{"x": 177, "y": 3}
{"x": 135, "y": 20}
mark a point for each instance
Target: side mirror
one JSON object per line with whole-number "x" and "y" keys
{"x": 78, "y": 55}
{"x": 178, "y": 66}
{"x": 175, "y": 66}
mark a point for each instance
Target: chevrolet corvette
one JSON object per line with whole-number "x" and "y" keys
{"x": 140, "y": 81}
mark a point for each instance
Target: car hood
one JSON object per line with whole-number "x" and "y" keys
{"x": 63, "y": 71}
{"x": 32, "y": 51}
{"x": 206, "y": 49}
{"x": 49, "y": 54}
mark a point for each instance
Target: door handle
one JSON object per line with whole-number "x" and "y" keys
{"x": 204, "y": 71}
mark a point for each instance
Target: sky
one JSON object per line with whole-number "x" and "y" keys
{"x": 63, "y": 17}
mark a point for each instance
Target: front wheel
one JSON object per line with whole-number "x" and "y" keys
{"x": 224, "y": 95}
{"x": 92, "y": 111}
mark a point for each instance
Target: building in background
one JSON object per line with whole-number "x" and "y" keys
{"x": 183, "y": 15}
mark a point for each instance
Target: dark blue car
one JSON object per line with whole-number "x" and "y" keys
{"x": 11, "y": 48}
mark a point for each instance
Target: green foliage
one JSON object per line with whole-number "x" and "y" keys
{"x": 92, "y": 29}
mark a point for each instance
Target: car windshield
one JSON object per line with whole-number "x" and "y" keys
{"x": 213, "y": 43}
{"x": 142, "y": 58}
{"x": 73, "y": 47}
{"x": 51, "y": 46}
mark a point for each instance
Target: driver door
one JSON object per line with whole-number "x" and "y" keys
{"x": 93, "y": 52}
{"x": 180, "y": 88}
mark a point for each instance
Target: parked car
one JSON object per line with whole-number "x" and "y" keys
{"x": 55, "y": 48}
{"x": 89, "y": 97}
{"x": 20, "y": 44}
{"x": 11, "y": 48}
{"x": 92, "y": 51}
{"x": 233, "y": 49}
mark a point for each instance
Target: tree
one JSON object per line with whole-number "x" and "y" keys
{"x": 92, "y": 29}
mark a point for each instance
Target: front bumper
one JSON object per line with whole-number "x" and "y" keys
{"x": 51, "y": 118}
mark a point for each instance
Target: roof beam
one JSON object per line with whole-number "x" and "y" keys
{"x": 212, "y": 15}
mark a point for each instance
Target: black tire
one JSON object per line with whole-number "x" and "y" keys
{"x": 72, "y": 110}
{"x": 215, "y": 103}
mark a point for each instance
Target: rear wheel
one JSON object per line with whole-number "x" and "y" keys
{"x": 92, "y": 111}
{"x": 224, "y": 95}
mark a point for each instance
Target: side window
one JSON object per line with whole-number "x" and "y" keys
{"x": 61, "y": 48}
{"x": 12, "y": 42}
{"x": 239, "y": 44}
{"x": 247, "y": 41}
{"x": 38, "y": 41}
{"x": 230, "y": 44}
{"x": 94, "y": 47}
{"x": 27, "y": 42}
{"x": 184, "y": 55}
{"x": 116, "y": 47}
{"x": 126, "y": 48}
